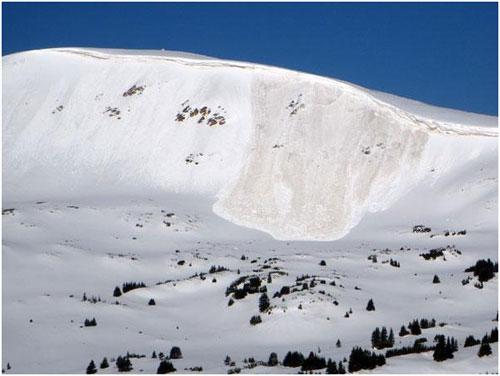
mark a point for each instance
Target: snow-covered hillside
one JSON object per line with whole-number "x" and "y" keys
{"x": 119, "y": 165}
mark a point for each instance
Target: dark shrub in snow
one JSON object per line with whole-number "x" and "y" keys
{"x": 165, "y": 367}
{"x": 175, "y": 353}
{"x": 255, "y": 320}
{"x": 91, "y": 369}
{"x": 370, "y": 306}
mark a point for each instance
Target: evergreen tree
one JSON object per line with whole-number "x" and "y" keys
{"x": 471, "y": 341}
{"x": 165, "y": 367}
{"x": 436, "y": 279}
{"x": 494, "y": 335}
{"x": 175, "y": 353}
{"x": 390, "y": 341}
{"x": 338, "y": 344}
{"x": 313, "y": 362}
{"x": 151, "y": 302}
{"x": 91, "y": 368}
{"x": 341, "y": 369}
{"x": 295, "y": 359}
{"x": 383, "y": 337}
{"x": 117, "y": 292}
{"x": 153, "y": 356}
{"x": 403, "y": 332}
{"x": 331, "y": 367}
{"x": 484, "y": 350}
{"x": 104, "y": 363}
{"x": 123, "y": 364}
{"x": 254, "y": 320}
{"x": 414, "y": 327}
{"x": 263, "y": 302}
{"x": 376, "y": 338}
{"x": 370, "y": 306}
{"x": 273, "y": 360}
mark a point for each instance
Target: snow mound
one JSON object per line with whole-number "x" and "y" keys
{"x": 296, "y": 155}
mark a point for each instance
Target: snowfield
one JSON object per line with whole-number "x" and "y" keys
{"x": 157, "y": 167}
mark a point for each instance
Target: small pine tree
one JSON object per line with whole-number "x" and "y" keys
{"x": 484, "y": 350}
{"x": 104, "y": 363}
{"x": 165, "y": 367}
{"x": 436, "y": 279}
{"x": 383, "y": 336}
{"x": 117, "y": 292}
{"x": 273, "y": 360}
{"x": 376, "y": 338}
{"x": 331, "y": 368}
{"x": 255, "y": 320}
{"x": 151, "y": 302}
{"x": 341, "y": 369}
{"x": 390, "y": 341}
{"x": 8, "y": 366}
{"x": 403, "y": 332}
{"x": 175, "y": 353}
{"x": 338, "y": 344}
{"x": 153, "y": 356}
{"x": 263, "y": 302}
{"x": 370, "y": 306}
{"x": 123, "y": 364}
{"x": 471, "y": 341}
{"x": 322, "y": 263}
{"x": 91, "y": 369}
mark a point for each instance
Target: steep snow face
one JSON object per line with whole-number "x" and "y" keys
{"x": 295, "y": 155}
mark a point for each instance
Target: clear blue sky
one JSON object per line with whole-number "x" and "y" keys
{"x": 443, "y": 54}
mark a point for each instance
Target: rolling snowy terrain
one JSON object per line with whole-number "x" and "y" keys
{"x": 189, "y": 174}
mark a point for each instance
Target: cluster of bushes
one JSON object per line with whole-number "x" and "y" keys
{"x": 433, "y": 254}
{"x": 217, "y": 269}
{"x": 484, "y": 270}
{"x": 297, "y": 359}
{"x": 417, "y": 347}
{"x": 92, "y": 299}
{"x": 381, "y": 340}
{"x": 88, "y": 322}
{"x": 313, "y": 362}
{"x": 264, "y": 302}
{"x": 364, "y": 359}
{"x": 252, "y": 286}
{"x": 285, "y": 290}
{"x": 394, "y": 263}
{"x": 333, "y": 369}
{"x": 293, "y": 359}
{"x": 471, "y": 341}
{"x": 421, "y": 228}
{"x": 124, "y": 364}
{"x": 129, "y": 286}
{"x": 165, "y": 367}
{"x": 416, "y": 327}
{"x": 256, "y": 319}
{"x": 444, "y": 349}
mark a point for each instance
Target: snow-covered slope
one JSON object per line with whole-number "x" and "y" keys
{"x": 113, "y": 168}
{"x": 292, "y": 154}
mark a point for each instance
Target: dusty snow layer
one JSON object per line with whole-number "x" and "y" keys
{"x": 297, "y": 156}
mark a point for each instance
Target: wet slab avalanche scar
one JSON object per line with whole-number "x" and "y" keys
{"x": 320, "y": 160}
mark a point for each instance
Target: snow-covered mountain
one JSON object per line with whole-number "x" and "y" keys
{"x": 119, "y": 164}
{"x": 298, "y": 156}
